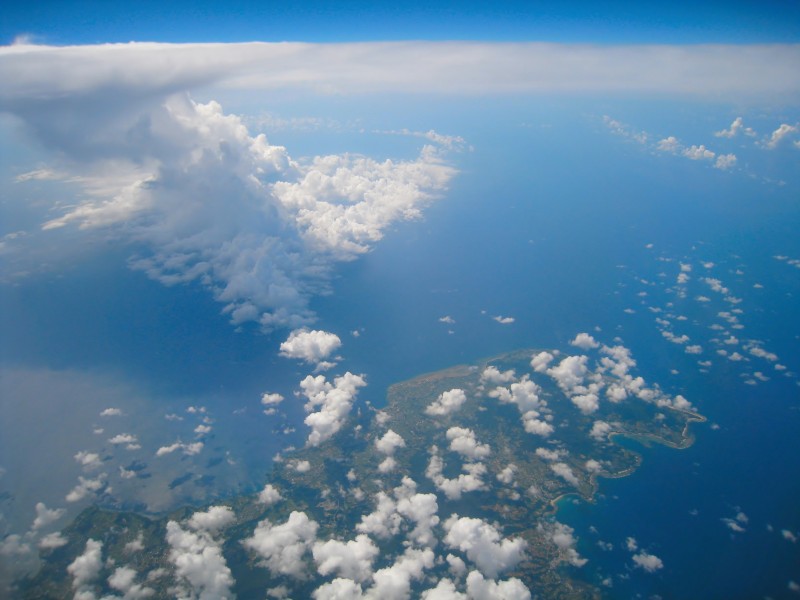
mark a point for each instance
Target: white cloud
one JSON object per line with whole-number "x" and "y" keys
{"x": 483, "y": 544}
{"x": 311, "y": 346}
{"x": 734, "y": 129}
{"x": 562, "y": 536}
{"x": 698, "y": 153}
{"x": 600, "y": 430}
{"x": 447, "y": 319}
{"x": 269, "y": 495}
{"x": 463, "y": 441}
{"x": 563, "y": 470}
{"x": 188, "y": 449}
{"x": 479, "y": 588}
{"x": 384, "y": 522}
{"x": 504, "y": 320}
{"x": 779, "y": 134}
{"x": 111, "y": 412}
{"x": 445, "y": 590}
{"x": 540, "y": 361}
{"x": 584, "y": 341}
{"x": 570, "y": 372}
{"x": 46, "y": 516}
{"x": 123, "y": 438}
{"x": 282, "y": 548}
{"x": 351, "y": 560}
{"x": 725, "y": 161}
{"x": 694, "y": 349}
{"x": 85, "y": 569}
{"x": 587, "y": 403}
{"x": 507, "y": 475}
{"x": 390, "y": 442}
{"x": 212, "y": 520}
{"x": 470, "y": 480}
{"x": 669, "y": 144}
{"x": 86, "y": 487}
{"x": 493, "y": 375}
{"x": 271, "y": 399}
{"x": 198, "y": 562}
{"x": 52, "y": 541}
{"x": 447, "y": 403}
{"x": 453, "y": 67}
{"x": 334, "y": 401}
{"x": 649, "y": 562}
{"x": 124, "y": 580}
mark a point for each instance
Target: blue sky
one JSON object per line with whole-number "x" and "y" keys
{"x": 60, "y": 22}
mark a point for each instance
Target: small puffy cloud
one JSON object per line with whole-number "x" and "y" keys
{"x": 479, "y": 588}
{"x": 111, "y": 412}
{"x": 311, "y": 346}
{"x": 351, "y": 560}
{"x": 447, "y": 403}
{"x": 570, "y": 372}
{"x": 669, "y": 144}
{"x": 123, "y": 580}
{"x": 734, "y": 129}
{"x": 725, "y": 161}
{"x": 507, "y": 475}
{"x": 52, "y": 541}
{"x": 282, "y": 548}
{"x": 565, "y": 472}
{"x": 562, "y": 536}
{"x": 384, "y": 521}
{"x": 483, "y": 544}
{"x": 269, "y": 495}
{"x": 301, "y": 466}
{"x": 600, "y": 431}
{"x": 88, "y": 460}
{"x": 693, "y": 349}
{"x": 493, "y": 375}
{"x": 85, "y": 569}
{"x": 123, "y": 438}
{"x": 585, "y": 341}
{"x": 271, "y": 399}
{"x": 394, "y": 582}
{"x": 504, "y": 320}
{"x": 199, "y": 563}
{"x": 85, "y": 487}
{"x": 593, "y": 466}
{"x": 212, "y": 520}
{"x": 445, "y": 590}
{"x": 387, "y": 465}
{"x": 540, "y": 361}
{"x": 135, "y": 545}
{"x": 463, "y": 441}
{"x": 470, "y": 480}
{"x": 788, "y": 536}
{"x": 187, "y": 449}
{"x": 587, "y": 403}
{"x": 45, "y": 516}
{"x": 390, "y": 442}
{"x": 779, "y": 134}
{"x": 334, "y": 401}
{"x": 648, "y": 562}
{"x": 698, "y": 153}
{"x": 447, "y": 319}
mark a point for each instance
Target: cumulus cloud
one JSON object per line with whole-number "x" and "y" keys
{"x": 470, "y": 480}
{"x": 648, "y": 562}
{"x": 187, "y": 449}
{"x": 351, "y": 560}
{"x": 85, "y": 569}
{"x": 85, "y": 487}
{"x": 565, "y": 472}
{"x": 725, "y": 161}
{"x": 123, "y": 580}
{"x": 311, "y": 346}
{"x": 570, "y": 372}
{"x": 269, "y": 495}
{"x": 734, "y": 129}
{"x": 540, "y": 361}
{"x": 52, "y": 541}
{"x": 111, "y": 412}
{"x": 282, "y": 548}
{"x": 504, "y": 320}
{"x": 479, "y": 588}
{"x": 483, "y": 544}
{"x": 698, "y": 153}
{"x": 199, "y": 563}
{"x": 203, "y": 200}
{"x": 46, "y": 516}
{"x": 493, "y": 375}
{"x": 333, "y": 401}
{"x": 779, "y": 134}
{"x": 584, "y": 341}
{"x": 212, "y": 520}
{"x": 562, "y": 536}
{"x": 390, "y": 442}
{"x": 463, "y": 441}
{"x": 447, "y": 403}
{"x": 600, "y": 430}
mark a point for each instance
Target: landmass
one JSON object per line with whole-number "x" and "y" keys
{"x": 449, "y": 489}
